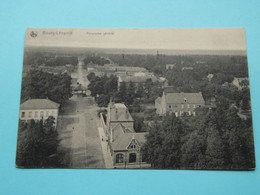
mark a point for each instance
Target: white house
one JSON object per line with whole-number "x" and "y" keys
{"x": 38, "y": 109}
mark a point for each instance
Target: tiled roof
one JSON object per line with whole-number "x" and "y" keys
{"x": 122, "y": 137}
{"x": 39, "y": 104}
{"x": 136, "y": 79}
{"x": 79, "y": 88}
{"x": 178, "y": 98}
{"x": 120, "y": 113}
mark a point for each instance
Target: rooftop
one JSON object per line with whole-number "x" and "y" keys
{"x": 122, "y": 137}
{"x": 136, "y": 79}
{"x": 177, "y": 98}
{"x": 120, "y": 113}
{"x": 79, "y": 88}
{"x": 32, "y": 104}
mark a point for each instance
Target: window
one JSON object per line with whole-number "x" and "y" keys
{"x": 132, "y": 157}
{"x": 23, "y": 114}
{"x": 188, "y": 106}
{"x": 52, "y": 113}
{"x": 194, "y": 106}
{"x": 47, "y": 113}
{"x": 182, "y": 106}
{"x": 194, "y": 114}
{"x": 133, "y": 146}
{"x": 36, "y": 114}
{"x": 119, "y": 158}
{"x": 41, "y": 114}
{"x": 30, "y": 114}
{"x": 169, "y": 106}
{"x": 189, "y": 112}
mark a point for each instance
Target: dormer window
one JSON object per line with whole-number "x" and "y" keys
{"x": 133, "y": 146}
{"x": 185, "y": 100}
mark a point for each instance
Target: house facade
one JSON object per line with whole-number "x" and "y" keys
{"x": 136, "y": 79}
{"x": 125, "y": 144}
{"x": 179, "y": 103}
{"x": 38, "y": 109}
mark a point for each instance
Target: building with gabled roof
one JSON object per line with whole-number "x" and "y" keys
{"x": 125, "y": 144}
{"x": 38, "y": 109}
{"x": 178, "y": 103}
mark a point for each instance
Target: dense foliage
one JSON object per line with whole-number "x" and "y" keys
{"x": 39, "y": 84}
{"x": 103, "y": 88}
{"x": 96, "y": 60}
{"x": 48, "y": 59}
{"x": 215, "y": 139}
{"x": 37, "y": 145}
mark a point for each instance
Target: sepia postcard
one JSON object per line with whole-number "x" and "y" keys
{"x": 135, "y": 99}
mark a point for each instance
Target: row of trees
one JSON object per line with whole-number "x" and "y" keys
{"x": 48, "y": 59}
{"x": 232, "y": 65}
{"x": 96, "y": 60}
{"x": 103, "y": 88}
{"x": 37, "y": 145}
{"x": 39, "y": 84}
{"x": 215, "y": 139}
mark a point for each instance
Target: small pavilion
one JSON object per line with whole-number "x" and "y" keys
{"x": 80, "y": 90}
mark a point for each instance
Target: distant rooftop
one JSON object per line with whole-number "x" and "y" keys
{"x": 177, "y": 98}
{"x": 32, "y": 104}
{"x": 136, "y": 79}
{"x": 120, "y": 113}
{"x": 79, "y": 88}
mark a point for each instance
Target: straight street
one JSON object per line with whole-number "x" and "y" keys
{"x": 78, "y": 129}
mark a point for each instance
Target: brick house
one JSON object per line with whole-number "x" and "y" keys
{"x": 125, "y": 144}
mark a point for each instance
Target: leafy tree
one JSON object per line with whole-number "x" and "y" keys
{"x": 163, "y": 146}
{"x": 37, "y": 145}
{"x": 139, "y": 91}
{"x": 102, "y": 100}
{"x": 38, "y": 84}
{"x": 122, "y": 93}
{"x": 129, "y": 99}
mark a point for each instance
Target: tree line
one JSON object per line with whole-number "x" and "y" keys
{"x": 48, "y": 59}
{"x": 214, "y": 139}
{"x": 39, "y": 84}
{"x": 96, "y": 60}
{"x": 37, "y": 145}
{"x": 105, "y": 88}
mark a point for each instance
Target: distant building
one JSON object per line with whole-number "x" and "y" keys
{"x": 178, "y": 103}
{"x": 38, "y": 109}
{"x": 187, "y": 68}
{"x": 241, "y": 83}
{"x": 135, "y": 79}
{"x": 80, "y": 90}
{"x": 118, "y": 113}
{"x": 125, "y": 144}
{"x": 170, "y": 66}
{"x": 112, "y": 69}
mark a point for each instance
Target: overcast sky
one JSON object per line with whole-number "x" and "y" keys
{"x": 176, "y": 39}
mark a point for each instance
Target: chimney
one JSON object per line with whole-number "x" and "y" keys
{"x": 116, "y": 114}
{"x": 126, "y": 114}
